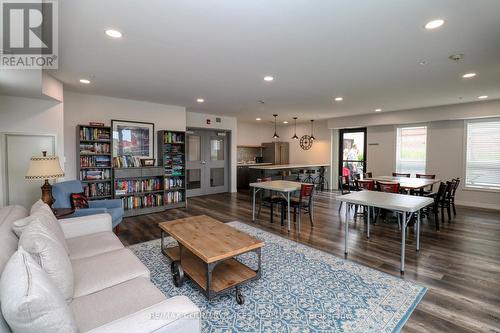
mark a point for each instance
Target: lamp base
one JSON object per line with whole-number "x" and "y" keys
{"x": 47, "y": 193}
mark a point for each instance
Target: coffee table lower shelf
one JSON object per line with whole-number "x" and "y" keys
{"x": 215, "y": 277}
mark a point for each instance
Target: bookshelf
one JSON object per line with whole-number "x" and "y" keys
{"x": 172, "y": 158}
{"x": 93, "y": 146}
{"x": 141, "y": 189}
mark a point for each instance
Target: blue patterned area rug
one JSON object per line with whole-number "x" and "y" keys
{"x": 301, "y": 290}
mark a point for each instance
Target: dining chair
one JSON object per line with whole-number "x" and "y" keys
{"x": 303, "y": 203}
{"x": 388, "y": 187}
{"x": 344, "y": 187}
{"x": 399, "y": 174}
{"x": 365, "y": 184}
{"x": 444, "y": 201}
{"x": 271, "y": 199}
{"x": 456, "y": 183}
{"x": 438, "y": 198}
{"x": 423, "y": 191}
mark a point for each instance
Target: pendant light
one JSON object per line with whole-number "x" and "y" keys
{"x": 275, "y": 136}
{"x": 312, "y": 130}
{"x": 295, "y": 137}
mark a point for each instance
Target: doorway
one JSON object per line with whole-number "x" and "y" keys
{"x": 207, "y": 162}
{"x": 352, "y": 152}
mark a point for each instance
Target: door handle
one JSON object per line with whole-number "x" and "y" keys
{"x": 203, "y": 162}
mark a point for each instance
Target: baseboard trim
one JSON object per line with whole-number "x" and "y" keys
{"x": 477, "y": 205}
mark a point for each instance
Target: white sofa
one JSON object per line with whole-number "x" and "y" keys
{"x": 111, "y": 290}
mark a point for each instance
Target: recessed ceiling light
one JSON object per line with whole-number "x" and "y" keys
{"x": 268, "y": 78}
{"x": 434, "y": 24}
{"x": 200, "y": 100}
{"x": 482, "y": 97}
{"x": 285, "y": 122}
{"x": 378, "y": 110}
{"x": 114, "y": 33}
{"x": 423, "y": 62}
{"x": 84, "y": 81}
{"x": 258, "y": 119}
{"x": 468, "y": 75}
{"x": 339, "y": 99}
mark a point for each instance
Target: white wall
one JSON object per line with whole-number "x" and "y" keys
{"x": 82, "y": 108}
{"x": 199, "y": 120}
{"x": 445, "y": 157}
{"x": 254, "y": 133}
{"x": 22, "y": 115}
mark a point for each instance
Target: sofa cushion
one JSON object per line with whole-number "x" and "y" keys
{"x": 116, "y": 302}
{"x": 105, "y": 270}
{"x": 30, "y": 300}
{"x": 39, "y": 240}
{"x": 48, "y": 218}
{"x": 93, "y": 244}
{"x": 19, "y": 225}
{"x": 37, "y": 205}
{"x": 8, "y": 240}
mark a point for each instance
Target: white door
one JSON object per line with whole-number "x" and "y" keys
{"x": 19, "y": 150}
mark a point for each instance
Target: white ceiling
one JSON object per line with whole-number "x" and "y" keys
{"x": 364, "y": 50}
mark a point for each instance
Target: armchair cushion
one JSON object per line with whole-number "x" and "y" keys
{"x": 61, "y": 192}
{"x": 88, "y": 211}
{"x": 30, "y": 300}
{"x": 109, "y": 203}
{"x": 85, "y": 225}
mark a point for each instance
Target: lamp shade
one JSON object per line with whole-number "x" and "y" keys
{"x": 44, "y": 167}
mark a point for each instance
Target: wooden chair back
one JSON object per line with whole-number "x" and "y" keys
{"x": 388, "y": 187}
{"x": 368, "y": 175}
{"x": 265, "y": 179}
{"x": 399, "y": 174}
{"x": 425, "y": 176}
{"x": 368, "y": 185}
{"x": 456, "y": 182}
{"x": 344, "y": 185}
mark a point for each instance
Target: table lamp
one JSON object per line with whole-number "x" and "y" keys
{"x": 45, "y": 167}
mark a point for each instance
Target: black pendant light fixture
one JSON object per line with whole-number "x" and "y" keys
{"x": 275, "y": 136}
{"x": 295, "y": 137}
{"x": 312, "y": 130}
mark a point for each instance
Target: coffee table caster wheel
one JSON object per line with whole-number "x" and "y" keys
{"x": 177, "y": 274}
{"x": 172, "y": 267}
{"x": 240, "y": 299}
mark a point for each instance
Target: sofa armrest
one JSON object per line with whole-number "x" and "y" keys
{"x": 111, "y": 203}
{"x": 85, "y": 225}
{"x": 174, "y": 315}
{"x": 88, "y": 211}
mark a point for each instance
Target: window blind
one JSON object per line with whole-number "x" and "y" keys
{"x": 482, "y": 166}
{"x": 411, "y": 149}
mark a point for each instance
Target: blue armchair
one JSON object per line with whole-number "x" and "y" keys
{"x": 62, "y": 194}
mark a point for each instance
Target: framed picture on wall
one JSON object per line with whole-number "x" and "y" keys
{"x": 133, "y": 138}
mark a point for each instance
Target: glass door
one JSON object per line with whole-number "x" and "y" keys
{"x": 194, "y": 163}
{"x": 352, "y": 150}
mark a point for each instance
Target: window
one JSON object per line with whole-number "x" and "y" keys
{"x": 482, "y": 163}
{"x": 411, "y": 146}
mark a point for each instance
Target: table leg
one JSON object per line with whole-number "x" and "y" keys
{"x": 253, "y": 206}
{"x": 419, "y": 220}
{"x": 288, "y": 213}
{"x": 368, "y": 223}
{"x": 403, "y": 241}
{"x": 346, "y": 228}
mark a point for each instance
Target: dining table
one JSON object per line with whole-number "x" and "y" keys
{"x": 407, "y": 183}
{"x": 284, "y": 187}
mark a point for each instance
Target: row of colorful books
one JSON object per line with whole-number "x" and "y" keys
{"x": 94, "y": 148}
{"x": 132, "y": 186}
{"x": 173, "y": 183}
{"x": 174, "y": 171}
{"x": 89, "y": 133}
{"x": 135, "y": 202}
{"x": 95, "y": 174}
{"x": 127, "y": 161}
{"x": 97, "y": 190}
{"x": 95, "y": 161}
{"x": 171, "y": 137}
{"x": 174, "y": 197}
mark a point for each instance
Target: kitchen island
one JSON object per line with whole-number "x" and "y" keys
{"x": 308, "y": 173}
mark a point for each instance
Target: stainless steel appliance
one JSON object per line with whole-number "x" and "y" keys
{"x": 259, "y": 159}
{"x": 276, "y": 152}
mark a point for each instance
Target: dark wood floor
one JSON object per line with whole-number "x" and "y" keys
{"x": 460, "y": 264}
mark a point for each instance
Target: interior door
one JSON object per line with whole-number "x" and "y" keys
{"x": 207, "y": 162}
{"x": 352, "y": 151}
{"x": 18, "y": 151}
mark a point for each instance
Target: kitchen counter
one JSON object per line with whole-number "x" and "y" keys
{"x": 253, "y": 164}
{"x": 288, "y": 166}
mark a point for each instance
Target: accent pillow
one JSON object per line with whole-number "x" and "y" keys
{"x": 48, "y": 218}
{"x": 19, "y": 225}
{"x": 30, "y": 300}
{"x": 42, "y": 244}
{"x": 37, "y": 205}
{"x": 79, "y": 201}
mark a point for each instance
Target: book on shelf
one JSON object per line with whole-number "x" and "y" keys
{"x": 127, "y": 161}
{"x": 174, "y": 183}
{"x": 94, "y": 148}
{"x": 173, "y": 137}
{"x": 95, "y": 161}
{"x": 95, "y": 174}
{"x": 97, "y": 189}
{"x": 143, "y": 201}
{"x": 123, "y": 187}
{"x": 94, "y": 134}
{"x": 174, "y": 197}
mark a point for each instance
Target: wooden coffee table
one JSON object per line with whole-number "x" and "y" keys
{"x": 206, "y": 254}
